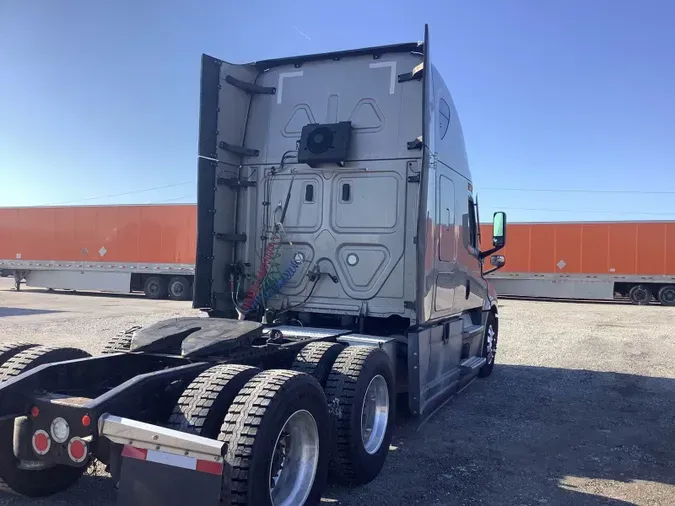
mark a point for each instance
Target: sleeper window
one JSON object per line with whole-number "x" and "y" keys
{"x": 346, "y": 193}
{"x": 309, "y": 192}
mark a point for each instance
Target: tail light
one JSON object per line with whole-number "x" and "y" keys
{"x": 78, "y": 450}
{"x": 41, "y": 442}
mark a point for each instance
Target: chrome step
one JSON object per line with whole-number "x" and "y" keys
{"x": 472, "y": 331}
{"x": 471, "y": 365}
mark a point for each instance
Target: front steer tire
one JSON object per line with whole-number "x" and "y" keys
{"x": 203, "y": 405}
{"x": 43, "y": 482}
{"x": 253, "y": 427}
{"x": 489, "y": 345}
{"x": 354, "y": 370}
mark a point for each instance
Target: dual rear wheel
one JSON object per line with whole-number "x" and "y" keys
{"x": 330, "y": 416}
{"x": 643, "y": 294}
{"x": 29, "y": 478}
{"x": 161, "y": 287}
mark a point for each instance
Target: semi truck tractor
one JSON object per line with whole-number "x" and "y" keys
{"x": 116, "y": 248}
{"x": 341, "y": 279}
{"x": 623, "y": 260}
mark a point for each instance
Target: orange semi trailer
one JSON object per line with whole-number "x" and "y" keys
{"x": 117, "y": 248}
{"x": 589, "y": 261}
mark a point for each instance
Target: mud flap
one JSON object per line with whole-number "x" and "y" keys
{"x": 154, "y": 478}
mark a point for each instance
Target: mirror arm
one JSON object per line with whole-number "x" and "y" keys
{"x": 487, "y": 253}
{"x": 492, "y": 270}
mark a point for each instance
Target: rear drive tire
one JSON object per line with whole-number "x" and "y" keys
{"x": 317, "y": 359}
{"x": 640, "y": 294}
{"x": 120, "y": 342}
{"x": 202, "y": 408}
{"x": 155, "y": 287}
{"x": 360, "y": 384}
{"x": 489, "y": 346}
{"x": 179, "y": 288}
{"x": 667, "y": 295}
{"x": 8, "y": 350}
{"x": 43, "y": 482}
{"x": 278, "y": 433}
{"x": 35, "y": 356}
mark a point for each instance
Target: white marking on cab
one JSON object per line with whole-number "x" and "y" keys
{"x": 282, "y": 76}
{"x": 392, "y": 66}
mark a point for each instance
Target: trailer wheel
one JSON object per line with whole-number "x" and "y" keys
{"x": 317, "y": 359}
{"x": 204, "y": 403}
{"x": 640, "y": 294}
{"x": 39, "y": 482}
{"x": 179, "y": 288}
{"x": 667, "y": 295}
{"x": 489, "y": 346}
{"x": 8, "y": 350}
{"x": 155, "y": 287}
{"x": 120, "y": 342}
{"x": 277, "y": 430}
{"x": 361, "y": 397}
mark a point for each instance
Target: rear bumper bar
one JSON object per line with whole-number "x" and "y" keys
{"x": 145, "y": 436}
{"x": 165, "y": 467}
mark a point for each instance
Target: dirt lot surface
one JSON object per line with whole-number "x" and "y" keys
{"x": 579, "y": 410}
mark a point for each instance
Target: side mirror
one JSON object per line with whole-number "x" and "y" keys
{"x": 499, "y": 230}
{"x": 498, "y": 261}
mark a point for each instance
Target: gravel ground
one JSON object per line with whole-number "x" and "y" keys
{"x": 579, "y": 409}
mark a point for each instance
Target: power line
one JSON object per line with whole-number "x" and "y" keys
{"x": 570, "y": 190}
{"x": 175, "y": 199}
{"x": 132, "y": 192}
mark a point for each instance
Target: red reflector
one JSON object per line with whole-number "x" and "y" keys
{"x": 34, "y": 411}
{"x": 77, "y": 450}
{"x": 206, "y": 466}
{"x": 86, "y": 420}
{"x": 41, "y": 442}
{"x": 134, "y": 453}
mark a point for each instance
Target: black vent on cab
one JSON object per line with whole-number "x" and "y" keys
{"x": 325, "y": 143}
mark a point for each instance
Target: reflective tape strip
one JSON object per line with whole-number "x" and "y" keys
{"x": 169, "y": 459}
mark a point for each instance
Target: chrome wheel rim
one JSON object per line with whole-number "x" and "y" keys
{"x": 490, "y": 344}
{"x": 295, "y": 458}
{"x": 375, "y": 414}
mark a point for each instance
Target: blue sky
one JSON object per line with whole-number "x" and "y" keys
{"x": 100, "y": 98}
